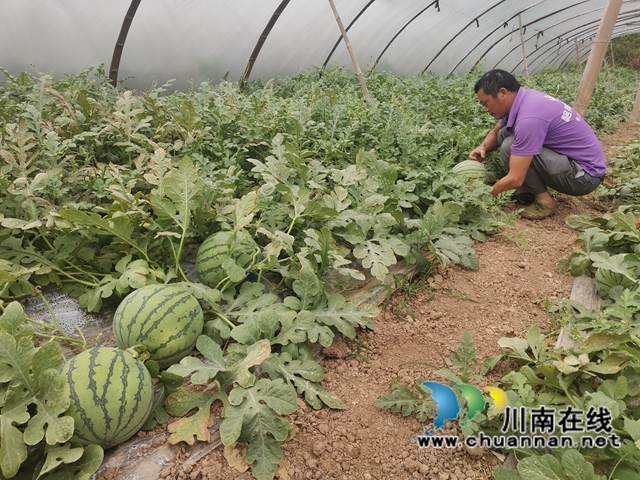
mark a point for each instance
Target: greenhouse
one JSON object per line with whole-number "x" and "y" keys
{"x": 320, "y": 239}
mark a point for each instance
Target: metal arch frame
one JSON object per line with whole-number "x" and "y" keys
{"x": 581, "y": 35}
{"x": 531, "y": 23}
{"x": 622, "y": 18}
{"x": 586, "y": 32}
{"x": 335, "y": 46}
{"x": 590, "y": 30}
{"x": 617, "y": 34}
{"x": 467, "y": 26}
{"x": 263, "y": 37}
{"x": 122, "y": 37}
{"x": 568, "y": 54}
{"x": 375, "y": 64}
{"x": 559, "y": 54}
{"x": 502, "y": 38}
{"x": 551, "y": 26}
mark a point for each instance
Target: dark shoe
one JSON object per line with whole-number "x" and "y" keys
{"x": 538, "y": 211}
{"x": 524, "y": 198}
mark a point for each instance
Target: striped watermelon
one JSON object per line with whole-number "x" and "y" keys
{"x": 166, "y": 319}
{"x": 111, "y": 395}
{"x": 219, "y": 247}
{"x": 606, "y": 279}
{"x": 470, "y": 169}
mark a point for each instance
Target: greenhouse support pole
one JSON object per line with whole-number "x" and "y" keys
{"x": 365, "y": 90}
{"x": 613, "y": 60}
{"x": 117, "y": 51}
{"x": 575, "y": 40}
{"x": 596, "y": 57}
{"x": 524, "y": 52}
{"x": 635, "y": 113}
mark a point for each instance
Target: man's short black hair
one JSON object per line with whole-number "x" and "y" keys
{"x": 492, "y": 81}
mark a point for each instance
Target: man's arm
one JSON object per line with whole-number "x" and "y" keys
{"x": 518, "y": 166}
{"x": 489, "y": 143}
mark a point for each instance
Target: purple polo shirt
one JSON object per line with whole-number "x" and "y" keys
{"x": 538, "y": 120}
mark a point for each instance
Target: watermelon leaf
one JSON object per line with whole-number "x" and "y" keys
{"x": 593, "y": 239}
{"x": 197, "y": 425}
{"x": 344, "y": 316}
{"x": 408, "y": 399}
{"x": 378, "y": 254}
{"x": 248, "y": 291}
{"x": 202, "y": 292}
{"x": 13, "y": 321}
{"x": 13, "y": 450}
{"x": 82, "y": 469}
{"x": 294, "y": 328}
{"x": 307, "y": 286}
{"x": 613, "y": 263}
{"x": 200, "y": 371}
{"x": 304, "y": 376}
{"x": 51, "y": 403}
{"x": 117, "y": 226}
{"x": 251, "y": 417}
{"x": 58, "y": 454}
{"x": 456, "y": 249}
{"x": 34, "y": 402}
{"x": 546, "y": 467}
{"x": 321, "y": 334}
{"x": 238, "y": 366}
{"x": 244, "y": 210}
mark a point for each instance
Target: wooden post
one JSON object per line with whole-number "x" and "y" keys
{"x": 613, "y": 60}
{"x": 524, "y": 52}
{"x": 596, "y": 57}
{"x": 363, "y": 84}
{"x": 635, "y": 113}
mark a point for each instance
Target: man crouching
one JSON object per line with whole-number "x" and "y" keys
{"x": 543, "y": 143}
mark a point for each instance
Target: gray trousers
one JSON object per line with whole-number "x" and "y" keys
{"x": 549, "y": 169}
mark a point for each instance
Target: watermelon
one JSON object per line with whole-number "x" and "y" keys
{"x": 219, "y": 247}
{"x": 166, "y": 319}
{"x": 606, "y": 280}
{"x": 111, "y": 395}
{"x": 470, "y": 169}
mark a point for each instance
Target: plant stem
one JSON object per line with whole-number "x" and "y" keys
{"x": 225, "y": 319}
{"x": 176, "y": 256}
{"x": 51, "y": 312}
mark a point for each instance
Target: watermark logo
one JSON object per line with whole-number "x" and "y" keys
{"x": 448, "y": 406}
{"x": 523, "y": 427}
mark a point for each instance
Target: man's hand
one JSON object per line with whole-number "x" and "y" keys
{"x": 478, "y": 154}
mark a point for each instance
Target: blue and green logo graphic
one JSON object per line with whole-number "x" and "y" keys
{"x": 448, "y": 407}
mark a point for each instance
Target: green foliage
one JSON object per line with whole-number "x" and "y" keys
{"x": 625, "y": 51}
{"x": 104, "y": 191}
{"x": 602, "y": 371}
{"x": 35, "y": 430}
{"x": 608, "y": 244}
{"x": 251, "y": 408}
{"x": 623, "y": 185}
{"x": 415, "y": 399}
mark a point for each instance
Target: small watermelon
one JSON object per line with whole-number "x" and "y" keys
{"x": 219, "y": 247}
{"x": 111, "y": 395}
{"x": 606, "y": 280}
{"x": 470, "y": 169}
{"x": 166, "y": 319}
